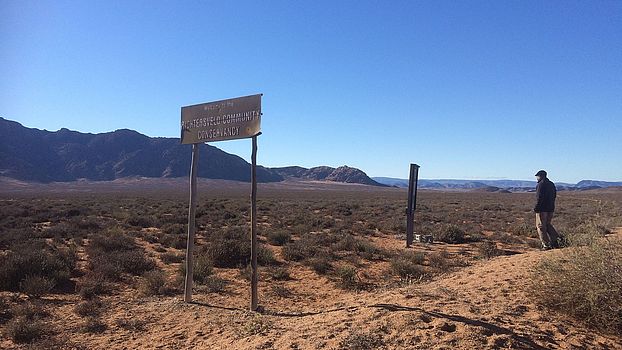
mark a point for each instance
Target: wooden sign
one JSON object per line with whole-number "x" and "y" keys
{"x": 231, "y": 119}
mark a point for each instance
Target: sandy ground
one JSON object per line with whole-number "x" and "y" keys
{"x": 482, "y": 306}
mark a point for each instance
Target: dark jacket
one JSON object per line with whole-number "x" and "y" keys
{"x": 545, "y": 196}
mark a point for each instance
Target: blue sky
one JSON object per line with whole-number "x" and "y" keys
{"x": 466, "y": 89}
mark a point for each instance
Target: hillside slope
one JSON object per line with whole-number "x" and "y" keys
{"x": 44, "y": 156}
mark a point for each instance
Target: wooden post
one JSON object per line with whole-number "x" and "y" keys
{"x": 191, "y": 223}
{"x": 254, "y": 297}
{"x": 412, "y": 202}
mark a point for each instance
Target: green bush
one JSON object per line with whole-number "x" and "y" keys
{"x": 584, "y": 283}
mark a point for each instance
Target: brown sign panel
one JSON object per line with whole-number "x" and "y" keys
{"x": 231, "y": 119}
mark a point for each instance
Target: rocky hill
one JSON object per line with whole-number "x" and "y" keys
{"x": 44, "y": 156}
{"x": 324, "y": 173}
{"x": 29, "y": 154}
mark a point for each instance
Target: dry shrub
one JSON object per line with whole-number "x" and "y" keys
{"x": 348, "y": 278}
{"x": 450, "y": 234}
{"x": 172, "y": 258}
{"x": 89, "y": 308}
{"x": 439, "y": 260}
{"x": 280, "y": 274}
{"x": 361, "y": 341}
{"x": 228, "y": 248}
{"x": 585, "y": 234}
{"x": 202, "y": 268}
{"x": 488, "y": 249}
{"x": 22, "y": 330}
{"x": 36, "y": 286}
{"x": 215, "y": 284}
{"x": 26, "y": 325}
{"x": 92, "y": 285}
{"x": 584, "y": 283}
{"x": 154, "y": 283}
{"x": 42, "y": 267}
{"x": 321, "y": 265}
{"x": 408, "y": 265}
{"x": 278, "y": 237}
{"x": 93, "y": 325}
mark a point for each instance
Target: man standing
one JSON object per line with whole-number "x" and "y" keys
{"x": 545, "y": 206}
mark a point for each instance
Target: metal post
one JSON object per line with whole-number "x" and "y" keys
{"x": 254, "y": 298}
{"x": 412, "y": 202}
{"x": 191, "y": 223}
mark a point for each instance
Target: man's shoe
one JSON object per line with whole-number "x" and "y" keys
{"x": 545, "y": 248}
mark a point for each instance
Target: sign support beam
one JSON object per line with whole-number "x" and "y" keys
{"x": 191, "y": 223}
{"x": 254, "y": 272}
{"x": 412, "y": 203}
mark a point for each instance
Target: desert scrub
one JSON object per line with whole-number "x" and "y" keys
{"x": 358, "y": 340}
{"x": 27, "y": 325}
{"x": 35, "y": 269}
{"x": 278, "y": 237}
{"x": 487, "y": 250}
{"x": 584, "y": 283}
{"x": 449, "y": 234}
{"x": 348, "y": 278}
{"x": 153, "y": 283}
{"x": 408, "y": 265}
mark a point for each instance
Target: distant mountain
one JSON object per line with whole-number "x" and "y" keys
{"x": 325, "y": 173}
{"x": 64, "y": 155}
{"x": 489, "y": 185}
{"x": 38, "y": 155}
{"x": 595, "y": 183}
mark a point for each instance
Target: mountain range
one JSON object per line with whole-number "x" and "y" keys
{"x": 30, "y": 154}
{"x": 493, "y": 185}
{"x": 64, "y": 155}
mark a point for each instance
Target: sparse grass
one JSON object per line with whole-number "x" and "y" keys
{"x": 584, "y": 283}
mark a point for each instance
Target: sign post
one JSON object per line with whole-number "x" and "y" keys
{"x": 254, "y": 297}
{"x": 231, "y": 119}
{"x": 412, "y": 203}
{"x": 191, "y": 223}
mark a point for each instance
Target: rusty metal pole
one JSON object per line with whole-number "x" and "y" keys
{"x": 412, "y": 202}
{"x": 191, "y": 223}
{"x": 254, "y": 297}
